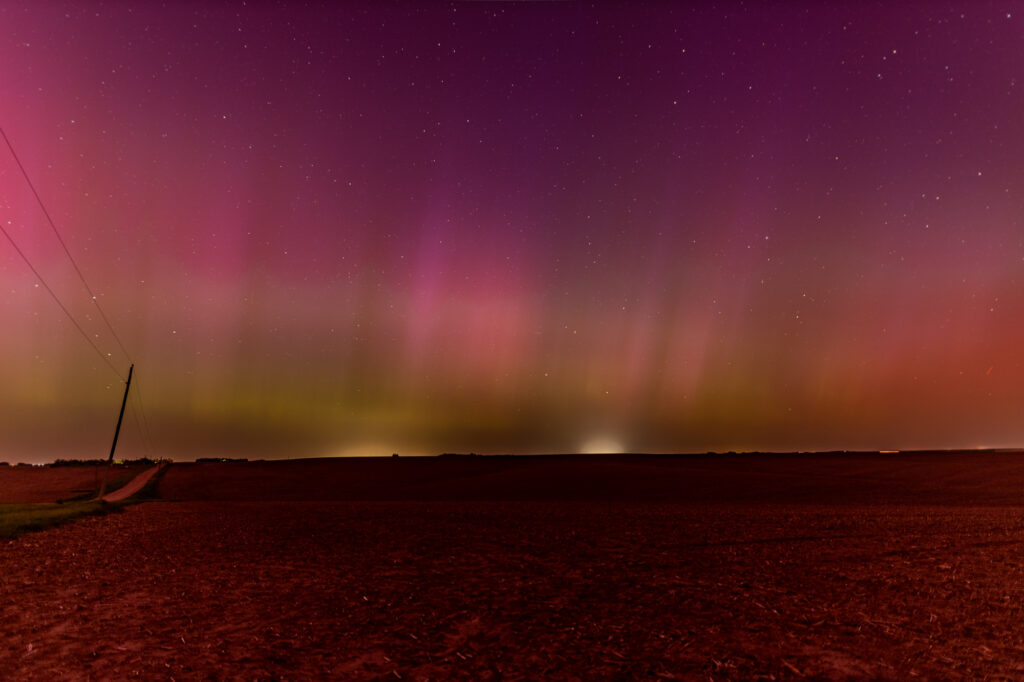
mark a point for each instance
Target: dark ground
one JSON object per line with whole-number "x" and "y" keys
{"x": 610, "y": 568}
{"x": 30, "y": 484}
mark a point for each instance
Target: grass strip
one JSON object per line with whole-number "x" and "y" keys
{"x": 16, "y": 519}
{"x": 113, "y": 485}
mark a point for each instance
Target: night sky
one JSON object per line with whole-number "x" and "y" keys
{"x": 514, "y": 227}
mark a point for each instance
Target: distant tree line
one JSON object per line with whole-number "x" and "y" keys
{"x": 142, "y": 461}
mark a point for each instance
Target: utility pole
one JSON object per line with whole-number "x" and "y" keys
{"x": 117, "y": 432}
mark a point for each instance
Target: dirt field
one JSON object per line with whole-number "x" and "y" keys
{"x": 970, "y": 478}
{"x": 839, "y": 583}
{"x": 50, "y": 484}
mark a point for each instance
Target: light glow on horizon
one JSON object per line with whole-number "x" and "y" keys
{"x": 602, "y": 445}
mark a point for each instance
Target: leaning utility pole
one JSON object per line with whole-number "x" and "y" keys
{"x": 117, "y": 432}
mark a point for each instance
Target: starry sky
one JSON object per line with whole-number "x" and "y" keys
{"x": 326, "y": 229}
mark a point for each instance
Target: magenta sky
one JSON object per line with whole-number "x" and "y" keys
{"x": 516, "y": 227}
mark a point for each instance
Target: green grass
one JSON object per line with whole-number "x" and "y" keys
{"x": 16, "y": 519}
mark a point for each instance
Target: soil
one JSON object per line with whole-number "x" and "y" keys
{"x": 752, "y": 587}
{"x": 942, "y": 478}
{"x": 27, "y": 484}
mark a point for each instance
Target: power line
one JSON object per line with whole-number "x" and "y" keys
{"x": 60, "y": 239}
{"x": 145, "y": 419}
{"x": 138, "y": 424}
{"x": 142, "y": 425}
{"x": 59, "y": 303}
{"x": 139, "y": 410}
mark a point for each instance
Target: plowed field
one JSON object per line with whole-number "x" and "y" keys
{"x": 535, "y": 589}
{"x": 50, "y": 484}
